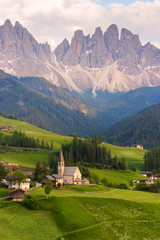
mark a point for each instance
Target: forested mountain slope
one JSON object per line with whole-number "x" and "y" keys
{"x": 41, "y": 110}
{"x": 143, "y": 128}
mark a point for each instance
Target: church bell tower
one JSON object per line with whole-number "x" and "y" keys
{"x": 61, "y": 164}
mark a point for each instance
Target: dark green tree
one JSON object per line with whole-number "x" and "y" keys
{"x": 48, "y": 188}
{"x": 19, "y": 177}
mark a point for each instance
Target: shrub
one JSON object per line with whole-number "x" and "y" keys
{"x": 59, "y": 185}
{"x": 3, "y": 185}
{"x": 105, "y": 182}
{"x": 142, "y": 187}
{"x": 31, "y": 203}
{"x": 122, "y": 186}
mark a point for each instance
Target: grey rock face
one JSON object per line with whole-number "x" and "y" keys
{"x": 102, "y": 61}
{"x": 129, "y": 50}
{"x": 111, "y": 40}
{"x": 61, "y": 50}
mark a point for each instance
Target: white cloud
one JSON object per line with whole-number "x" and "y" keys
{"x": 53, "y": 20}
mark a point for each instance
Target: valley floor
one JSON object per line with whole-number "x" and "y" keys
{"x": 67, "y": 215}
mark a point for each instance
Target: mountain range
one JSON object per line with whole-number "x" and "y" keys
{"x": 83, "y": 86}
{"x": 103, "y": 61}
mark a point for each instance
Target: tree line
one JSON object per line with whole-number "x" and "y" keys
{"x": 152, "y": 160}
{"x": 19, "y": 139}
{"x": 89, "y": 153}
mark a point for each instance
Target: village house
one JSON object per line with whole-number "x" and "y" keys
{"x": 148, "y": 182}
{"x": 147, "y": 174}
{"x": 23, "y": 185}
{"x": 54, "y": 178}
{"x": 5, "y": 128}
{"x": 135, "y": 146}
{"x": 17, "y": 195}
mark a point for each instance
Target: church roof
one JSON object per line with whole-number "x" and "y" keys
{"x": 69, "y": 171}
{"x": 61, "y": 158}
{"x": 85, "y": 180}
{"x": 50, "y": 177}
{"x": 57, "y": 176}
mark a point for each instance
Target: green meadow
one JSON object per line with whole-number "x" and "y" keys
{"x": 25, "y": 159}
{"x": 69, "y": 215}
{"x": 118, "y": 176}
{"x": 87, "y": 188}
{"x": 38, "y": 133}
{"x": 4, "y": 192}
{"x": 132, "y": 156}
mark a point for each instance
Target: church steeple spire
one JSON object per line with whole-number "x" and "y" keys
{"x": 61, "y": 164}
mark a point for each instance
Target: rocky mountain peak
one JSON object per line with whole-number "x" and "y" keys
{"x": 102, "y": 61}
{"x": 8, "y": 24}
{"x": 111, "y": 40}
{"x": 61, "y": 50}
{"x": 129, "y": 49}
{"x": 75, "y": 50}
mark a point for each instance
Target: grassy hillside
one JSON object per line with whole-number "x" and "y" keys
{"x": 70, "y": 215}
{"x": 25, "y": 159}
{"x": 38, "y": 133}
{"x": 131, "y": 155}
{"x": 117, "y": 177}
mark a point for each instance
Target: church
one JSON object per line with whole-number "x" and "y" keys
{"x": 66, "y": 175}
{"x": 71, "y": 175}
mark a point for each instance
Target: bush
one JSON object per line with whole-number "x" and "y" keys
{"x": 59, "y": 185}
{"x": 105, "y": 182}
{"x": 3, "y": 185}
{"x": 122, "y": 186}
{"x": 142, "y": 187}
{"x": 32, "y": 184}
{"x": 30, "y": 203}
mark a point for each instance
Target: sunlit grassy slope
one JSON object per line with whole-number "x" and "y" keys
{"x": 38, "y": 133}
{"x": 117, "y": 177}
{"x": 25, "y": 159}
{"x": 68, "y": 215}
{"x": 132, "y": 156}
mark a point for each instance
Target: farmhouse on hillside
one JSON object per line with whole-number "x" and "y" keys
{"x": 23, "y": 185}
{"x": 5, "y": 128}
{"x": 135, "y": 146}
{"x": 17, "y": 195}
{"x": 66, "y": 175}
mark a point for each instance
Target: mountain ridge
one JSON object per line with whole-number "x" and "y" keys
{"x": 103, "y": 61}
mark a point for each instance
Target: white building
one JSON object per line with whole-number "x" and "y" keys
{"x": 71, "y": 175}
{"x": 25, "y": 185}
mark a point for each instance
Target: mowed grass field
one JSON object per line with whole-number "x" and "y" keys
{"x": 117, "y": 177}
{"x": 38, "y": 133}
{"x": 132, "y": 156}
{"x": 69, "y": 215}
{"x": 26, "y": 159}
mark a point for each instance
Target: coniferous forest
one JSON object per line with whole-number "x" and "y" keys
{"x": 19, "y": 139}
{"x": 89, "y": 153}
{"x": 152, "y": 160}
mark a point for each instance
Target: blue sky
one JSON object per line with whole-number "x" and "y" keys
{"x": 125, "y": 2}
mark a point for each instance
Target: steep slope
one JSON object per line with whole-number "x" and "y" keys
{"x": 143, "y": 128}
{"x": 105, "y": 62}
{"x": 43, "y": 111}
